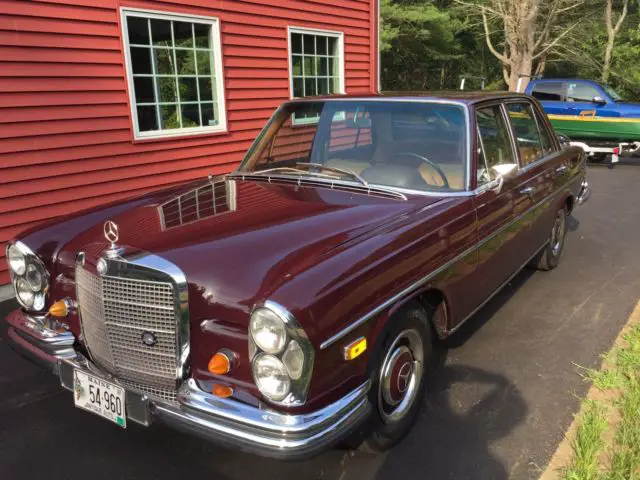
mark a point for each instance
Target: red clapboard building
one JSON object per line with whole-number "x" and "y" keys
{"x": 106, "y": 99}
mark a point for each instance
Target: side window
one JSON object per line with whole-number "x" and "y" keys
{"x": 494, "y": 146}
{"x": 581, "y": 92}
{"x": 549, "y": 92}
{"x": 545, "y": 134}
{"x": 526, "y": 131}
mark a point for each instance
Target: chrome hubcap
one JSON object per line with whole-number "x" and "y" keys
{"x": 400, "y": 376}
{"x": 556, "y": 233}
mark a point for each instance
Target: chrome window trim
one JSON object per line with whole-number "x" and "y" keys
{"x": 424, "y": 280}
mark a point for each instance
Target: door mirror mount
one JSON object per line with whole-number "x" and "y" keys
{"x": 496, "y": 185}
{"x": 502, "y": 173}
{"x": 599, "y": 100}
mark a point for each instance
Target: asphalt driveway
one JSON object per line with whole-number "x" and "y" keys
{"x": 497, "y": 409}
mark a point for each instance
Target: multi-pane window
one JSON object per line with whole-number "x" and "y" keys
{"x": 316, "y": 63}
{"x": 173, "y": 68}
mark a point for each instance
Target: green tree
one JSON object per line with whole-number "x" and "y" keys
{"x": 421, "y": 45}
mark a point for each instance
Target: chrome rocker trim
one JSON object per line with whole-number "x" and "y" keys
{"x": 224, "y": 421}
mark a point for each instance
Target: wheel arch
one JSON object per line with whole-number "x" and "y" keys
{"x": 570, "y": 202}
{"x": 435, "y": 304}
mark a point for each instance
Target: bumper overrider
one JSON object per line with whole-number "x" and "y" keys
{"x": 222, "y": 420}
{"x": 585, "y": 193}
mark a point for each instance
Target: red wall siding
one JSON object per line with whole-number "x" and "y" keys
{"x": 65, "y": 128}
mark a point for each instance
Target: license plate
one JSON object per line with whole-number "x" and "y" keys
{"x": 100, "y": 397}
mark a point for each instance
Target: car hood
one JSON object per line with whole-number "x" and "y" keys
{"x": 629, "y": 108}
{"x": 236, "y": 241}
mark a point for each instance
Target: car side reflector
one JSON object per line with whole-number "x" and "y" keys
{"x": 355, "y": 348}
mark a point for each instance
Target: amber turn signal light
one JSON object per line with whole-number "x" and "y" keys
{"x": 355, "y": 348}
{"x": 220, "y": 364}
{"x": 60, "y": 309}
{"x": 221, "y": 391}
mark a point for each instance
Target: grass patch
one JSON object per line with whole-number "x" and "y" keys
{"x": 606, "y": 445}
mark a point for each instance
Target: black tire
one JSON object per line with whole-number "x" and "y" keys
{"x": 386, "y": 426}
{"x": 549, "y": 257}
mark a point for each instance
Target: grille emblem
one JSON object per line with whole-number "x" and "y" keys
{"x": 149, "y": 339}
{"x": 111, "y": 232}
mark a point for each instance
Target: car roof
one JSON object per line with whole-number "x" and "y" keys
{"x": 459, "y": 96}
{"x": 556, "y": 80}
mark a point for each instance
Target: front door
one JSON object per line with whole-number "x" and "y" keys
{"x": 495, "y": 211}
{"x": 580, "y": 100}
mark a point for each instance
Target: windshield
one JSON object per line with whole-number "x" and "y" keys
{"x": 398, "y": 144}
{"x": 612, "y": 93}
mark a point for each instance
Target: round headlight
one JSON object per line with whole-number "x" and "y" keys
{"x": 271, "y": 377}
{"x": 34, "y": 278}
{"x": 268, "y": 331}
{"x": 25, "y": 293}
{"x": 293, "y": 359}
{"x": 17, "y": 262}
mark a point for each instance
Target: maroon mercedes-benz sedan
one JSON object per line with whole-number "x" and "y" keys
{"x": 295, "y": 302}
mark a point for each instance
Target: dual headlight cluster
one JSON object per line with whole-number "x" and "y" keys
{"x": 29, "y": 276}
{"x": 282, "y": 356}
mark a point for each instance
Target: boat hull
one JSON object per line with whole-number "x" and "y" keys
{"x": 597, "y": 128}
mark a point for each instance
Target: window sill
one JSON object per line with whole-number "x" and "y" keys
{"x": 179, "y": 136}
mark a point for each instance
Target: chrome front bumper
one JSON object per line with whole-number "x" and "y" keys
{"x": 224, "y": 421}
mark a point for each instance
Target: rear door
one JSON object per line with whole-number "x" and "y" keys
{"x": 539, "y": 168}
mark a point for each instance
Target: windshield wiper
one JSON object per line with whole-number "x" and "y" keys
{"x": 343, "y": 171}
{"x": 309, "y": 172}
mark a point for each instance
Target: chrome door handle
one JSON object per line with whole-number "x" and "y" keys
{"x": 562, "y": 169}
{"x": 528, "y": 191}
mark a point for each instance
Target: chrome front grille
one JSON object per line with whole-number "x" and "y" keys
{"x": 116, "y": 311}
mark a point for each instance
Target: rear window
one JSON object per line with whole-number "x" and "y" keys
{"x": 549, "y": 92}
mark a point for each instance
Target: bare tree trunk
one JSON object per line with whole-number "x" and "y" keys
{"x": 612, "y": 32}
{"x": 529, "y": 32}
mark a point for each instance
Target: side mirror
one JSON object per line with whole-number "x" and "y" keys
{"x": 565, "y": 141}
{"x": 503, "y": 172}
{"x": 599, "y": 100}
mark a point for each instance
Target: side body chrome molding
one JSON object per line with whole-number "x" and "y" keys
{"x": 424, "y": 280}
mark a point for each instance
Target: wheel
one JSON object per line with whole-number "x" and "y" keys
{"x": 549, "y": 257}
{"x": 397, "y": 380}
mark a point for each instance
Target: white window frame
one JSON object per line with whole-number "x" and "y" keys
{"x": 327, "y": 33}
{"x": 214, "y": 22}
